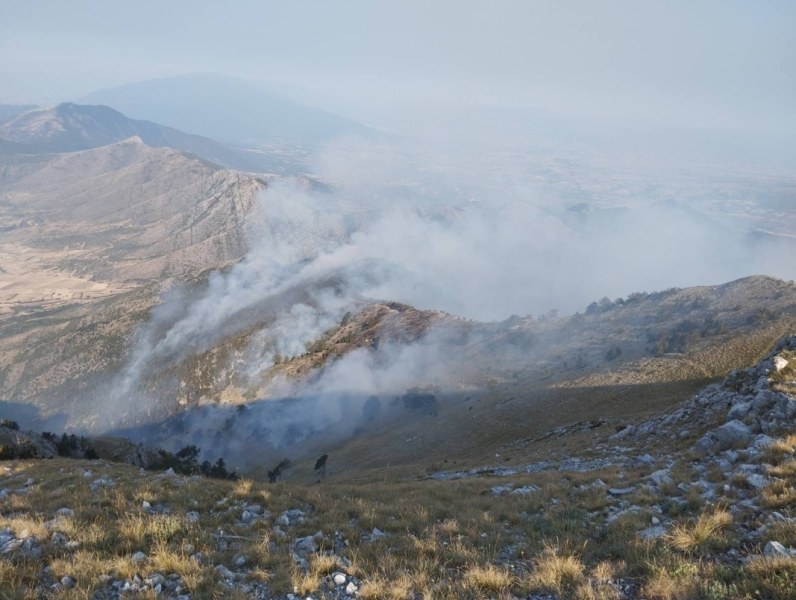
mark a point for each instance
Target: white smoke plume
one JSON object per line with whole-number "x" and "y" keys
{"x": 478, "y": 242}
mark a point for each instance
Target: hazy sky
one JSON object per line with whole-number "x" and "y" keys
{"x": 716, "y": 62}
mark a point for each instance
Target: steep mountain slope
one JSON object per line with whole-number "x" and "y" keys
{"x": 120, "y": 213}
{"x": 89, "y": 240}
{"x": 70, "y": 127}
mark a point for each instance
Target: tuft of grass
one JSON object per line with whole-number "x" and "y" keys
{"x": 706, "y": 533}
{"x": 674, "y": 580}
{"x": 165, "y": 560}
{"x": 242, "y": 487}
{"x": 16, "y": 578}
{"x": 380, "y": 588}
{"x": 304, "y": 583}
{"x": 556, "y": 572}
{"x": 783, "y": 532}
{"x": 323, "y": 564}
{"x": 488, "y": 578}
{"x": 607, "y": 570}
{"x": 780, "y": 450}
{"x": 779, "y": 494}
{"x": 770, "y": 578}
{"x": 592, "y": 590}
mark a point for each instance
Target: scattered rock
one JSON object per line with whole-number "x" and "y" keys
{"x": 661, "y": 478}
{"x": 224, "y": 572}
{"x": 291, "y": 517}
{"x": 240, "y": 561}
{"x": 757, "y": 481}
{"x": 499, "y": 490}
{"x": 305, "y": 546}
{"x": 774, "y": 549}
{"x": 155, "y": 580}
{"x": 525, "y": 490}
{"x": 740, "y": 410}
{"x": 733, "y": 434}
{"x": 652, "y": 533}
{"x": 779, "y": 363}
{"x": 100, "y": 483}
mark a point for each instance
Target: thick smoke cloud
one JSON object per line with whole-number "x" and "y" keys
{"x": 463, "y": 236}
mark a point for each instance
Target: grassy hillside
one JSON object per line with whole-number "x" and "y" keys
{"x": 634, "y": 512}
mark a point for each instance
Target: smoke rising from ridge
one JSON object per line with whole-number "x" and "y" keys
{"x": 478, "y": 242}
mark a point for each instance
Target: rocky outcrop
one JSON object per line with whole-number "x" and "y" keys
{"x": 743, "y": 411}
{"x": 733, "y": 434}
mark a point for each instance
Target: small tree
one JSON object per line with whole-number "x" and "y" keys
{"x": 188, "y": 459}
{"x": 320, "y": 466}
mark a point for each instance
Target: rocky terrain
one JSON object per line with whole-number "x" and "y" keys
{"x": 693, "y": 503}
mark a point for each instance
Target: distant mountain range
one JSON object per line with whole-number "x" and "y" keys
{"x": 71, "y": 127}
{"x": 226, "y": 109}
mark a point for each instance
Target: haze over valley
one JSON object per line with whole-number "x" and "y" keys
{"x": 488, "y": 243}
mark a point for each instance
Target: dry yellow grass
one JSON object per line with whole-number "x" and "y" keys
{"x": 445, "y": 540}
{"x": 488, "y": 578}
{"x": 556, "y": 572}
{"x": 164, "y": 559}
{"x": 304, "y": 583}
{"x": 606, "y": 570}
{"x": 323, "y": 564}
{"x": 379, "y": 588}
{"x": 706, "y": 532}
{"x": 667, "y": 586}
{"x": 779, "y": 494}
{"x": 596, "y": 591}
{"x": 781, "y": 449}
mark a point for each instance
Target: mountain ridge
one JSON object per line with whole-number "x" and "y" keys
{"x": 72, "y": 127}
